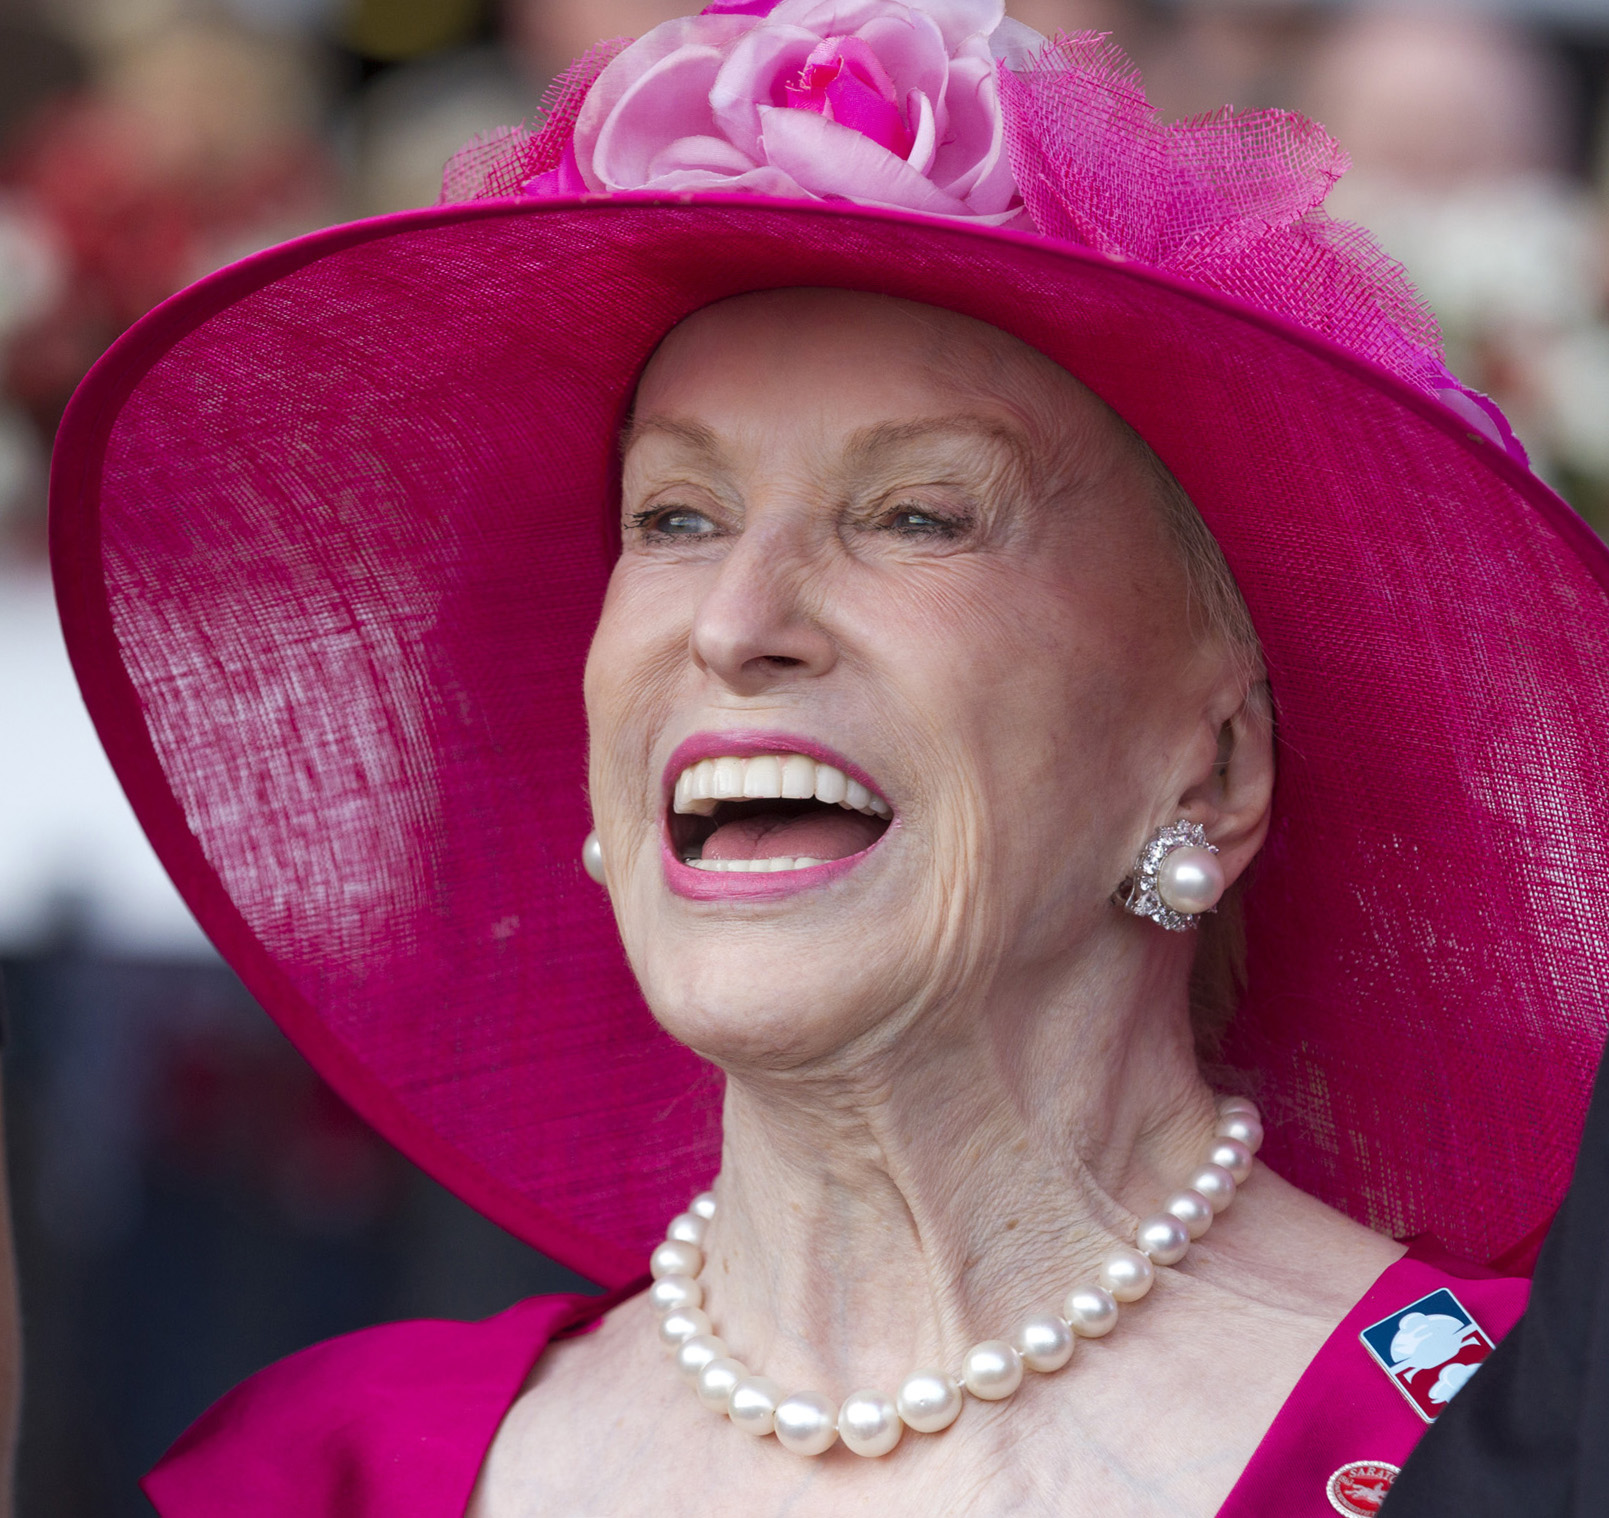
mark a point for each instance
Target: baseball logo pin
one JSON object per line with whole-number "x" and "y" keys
{"x": 1430, "y": 1349}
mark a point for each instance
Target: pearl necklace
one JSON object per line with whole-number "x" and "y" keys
{"x": 870, "y": 1422}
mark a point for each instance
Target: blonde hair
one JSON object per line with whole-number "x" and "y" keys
{"x": 1217, "y": 614}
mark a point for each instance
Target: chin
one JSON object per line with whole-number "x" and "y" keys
{"x": 747, "y": 1004}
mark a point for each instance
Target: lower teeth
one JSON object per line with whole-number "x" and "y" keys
{"x": 753, "y": 866}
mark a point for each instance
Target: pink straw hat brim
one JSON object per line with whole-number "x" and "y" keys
{"x": 331, "y": 532}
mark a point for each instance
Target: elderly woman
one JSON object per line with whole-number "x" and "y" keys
{"x": 1039, "y": 594}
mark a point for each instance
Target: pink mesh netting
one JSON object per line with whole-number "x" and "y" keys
{"x": 331, "y": 533}
{"x": 498, "y": 163}
{"x": 1230, "y": 200}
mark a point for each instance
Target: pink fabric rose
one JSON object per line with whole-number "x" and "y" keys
{"x": 874, "y": 101}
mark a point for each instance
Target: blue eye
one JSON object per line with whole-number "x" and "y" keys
{"x": 673, "y": 522}
{"x": 913, "y": 523}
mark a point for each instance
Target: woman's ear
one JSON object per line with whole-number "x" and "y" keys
{"x": 1234, "y": 799}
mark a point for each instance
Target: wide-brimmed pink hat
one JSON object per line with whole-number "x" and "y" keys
{"x": 332, "y": 529}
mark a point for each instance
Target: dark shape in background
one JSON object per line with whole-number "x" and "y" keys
{"x": 192, "y": 1203}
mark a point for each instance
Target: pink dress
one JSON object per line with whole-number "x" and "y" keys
{"x": 394, "y": 1422}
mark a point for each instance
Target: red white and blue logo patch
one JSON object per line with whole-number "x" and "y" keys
{"x": 1430, "y": 1349}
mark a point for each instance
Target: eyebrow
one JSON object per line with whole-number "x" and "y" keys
{"x": 887, "y": 435}
{"x": 863, "y": 444}
{"x": 701, "y": 439}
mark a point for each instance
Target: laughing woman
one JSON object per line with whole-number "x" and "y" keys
{"x": 1061, "y": 657}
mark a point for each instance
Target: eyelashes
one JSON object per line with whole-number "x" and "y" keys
{"x": 915, "y": 521}
{"x": 671, "y": 522}
{"x": 912, "y": 520}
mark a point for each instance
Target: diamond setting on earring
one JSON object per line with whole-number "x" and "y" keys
{"x": 1141, "y": 896}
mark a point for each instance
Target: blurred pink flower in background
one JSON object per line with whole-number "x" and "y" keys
{"x": 871, "y": 100}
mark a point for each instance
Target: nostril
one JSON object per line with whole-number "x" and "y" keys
{"x": 779, "y": 661}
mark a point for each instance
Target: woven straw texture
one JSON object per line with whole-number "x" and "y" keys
{"x": 331, "y": 535}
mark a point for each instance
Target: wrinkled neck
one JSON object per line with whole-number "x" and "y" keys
{"x": 893, "y": 1205}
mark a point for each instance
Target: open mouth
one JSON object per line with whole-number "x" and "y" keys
{"x": 771, "y": 812}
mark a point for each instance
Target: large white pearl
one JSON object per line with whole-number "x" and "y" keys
{"x": 592, "y": 857}
{"x": 1192, "y": 1209}
{"x": 1234, "y": 1156}
{"x": 695, "y": 1353}
{"x": 869, "y": 1423}
{"x": 1127, "y": 1274}
{"x": 928, "y": 1400}
{"x": 754, "y": 1404}
{"x": 718, "y": 1380}
{"x": 991, "y": 1370}
{"x": 688, "y": 1228}
{"x": 1229, "y": 1105}
{"x": 1244, "y": 1129}
{"x": 806, "y": 1423}
{"x": 1044, "y": 1341}
{"x": 1190, "y": 881}
{"x": 1091, "y": 1311}
{"x": 1216, "y": 1184}
{"x": 703, "y": 1205}
{"x": 674, "y": 1258}
{"x": 670, "y": 1292}
{"x": 1163, "y": 1239}
{"x": 682, "y": 1324}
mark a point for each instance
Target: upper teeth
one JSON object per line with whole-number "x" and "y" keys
{"x": 701, "y": 787}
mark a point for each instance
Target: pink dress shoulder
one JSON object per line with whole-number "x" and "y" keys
{"x": 395, "y": 1422}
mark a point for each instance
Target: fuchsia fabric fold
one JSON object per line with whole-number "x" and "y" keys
{"x": 395, "y": 1422}
{"x": 1345, "y": 1408}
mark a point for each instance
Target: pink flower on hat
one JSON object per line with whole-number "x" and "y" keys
{"x": 875, "y": 101}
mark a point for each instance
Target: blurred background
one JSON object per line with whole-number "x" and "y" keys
{"x": 191, "y": 1202}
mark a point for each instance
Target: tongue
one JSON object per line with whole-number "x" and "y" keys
{"x": 822, "y": 835}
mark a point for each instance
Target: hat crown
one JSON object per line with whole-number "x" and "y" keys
{"x": 954, "y": 110}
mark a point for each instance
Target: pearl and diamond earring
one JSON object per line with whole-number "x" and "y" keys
{"x": 592, "y": 858}
{"x": 1176, "y": 878}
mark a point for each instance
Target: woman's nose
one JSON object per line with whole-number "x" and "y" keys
{"x": 756, "y": 628}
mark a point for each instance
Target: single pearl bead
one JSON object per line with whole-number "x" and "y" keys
{"x": 1044, "y": 1341}
{"x": 1127, "y": 1274}
{"x": 718, "y": 1380}
{"x": 681, "y": 1324}
{"x": 1229, "y": 1105}
{"x": 688, "y": 1228}
{"x": 703, "y": 1205}
{"x": 754, "y": 1404}
{"x": 670, "y": 1292}
{"x": 1216, "y": 1184}
{"x": 674, "y": 1258}
{"x": 868, "y": 1423}
{"x": 697, "y": 1352}
{"x": 1246, "y": 1130}
{"x": 928, "y": 1400}
{"x": 1163, "y": 1239}
{"x": 1192, "y": 1209}
{"x": 592, "y": 857}
{"x": 806, "y": 1423}
{"x": 1190, "y": 881}
{"x": 991, "y": 1370}
{"x": 1091, "y": 1311}
{"x": 1234, "y": 1156}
